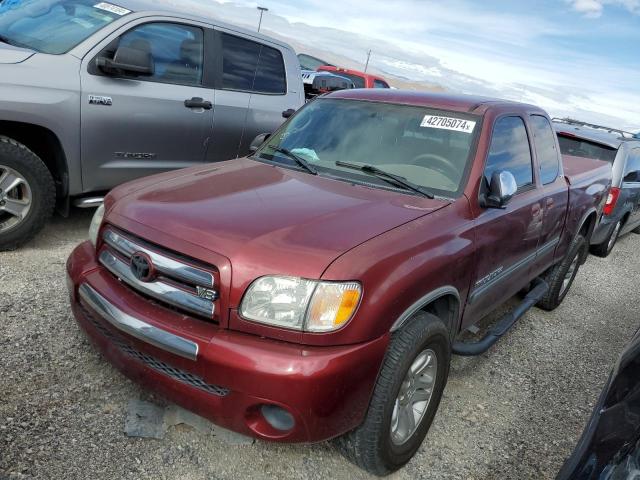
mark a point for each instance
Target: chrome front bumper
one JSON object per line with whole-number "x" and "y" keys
{"x": 137, "y": 328}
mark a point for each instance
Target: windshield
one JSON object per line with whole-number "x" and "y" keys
{"x": 579, "y": 147}
{"x": 430, "y": 148}
{"x": 54, "y": 26}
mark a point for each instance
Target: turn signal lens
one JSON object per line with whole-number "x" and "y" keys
{"x": 332, "y": 306}
{"x": 612, "y": 199}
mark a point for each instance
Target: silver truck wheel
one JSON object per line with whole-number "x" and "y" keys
{"x": 15, "y": 198}
{"x": 414, "y": 396}
{"x": 27, "y": 194}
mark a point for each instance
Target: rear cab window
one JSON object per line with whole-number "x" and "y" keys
{"x": 380, "y": 84}
{"x": 544, "y": 141}
{"x": 510, "y": 151}
{"x": 250, "y": 66}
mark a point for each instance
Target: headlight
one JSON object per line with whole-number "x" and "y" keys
{"x": 96, "y": 222}
{"x": 300, "y": 304}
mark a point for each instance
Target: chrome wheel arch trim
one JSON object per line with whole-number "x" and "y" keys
{"x": 426, "y": 300}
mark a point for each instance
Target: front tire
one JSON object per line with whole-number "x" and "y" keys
{"x": 605, "y": 248}
{"x": 27, "y": 194}
{"x": 405, "y": 398}
{"x": 561, "y": 276}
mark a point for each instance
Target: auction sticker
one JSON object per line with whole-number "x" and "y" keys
{"x": 448, "y": 123}
{"x": 109, "y": 7}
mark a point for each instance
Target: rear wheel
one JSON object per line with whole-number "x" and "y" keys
{"x": 561, "y": 276}
{"x": 405, "y": 399}
{"x": 605, "y": 248}
{"x": 27, "y": 194}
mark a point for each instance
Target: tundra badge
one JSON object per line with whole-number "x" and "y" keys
{"x": 100, "y": 100}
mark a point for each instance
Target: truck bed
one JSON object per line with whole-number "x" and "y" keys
{"x": 579, "y": 169}
{"x": 589, "y": 182}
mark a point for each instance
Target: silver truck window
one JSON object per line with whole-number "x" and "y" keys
{"x": 177, "y": 51}
{"x": 55, "y": 26}
{"x": 249, "y": 66}
{"x": 510, "y": 151}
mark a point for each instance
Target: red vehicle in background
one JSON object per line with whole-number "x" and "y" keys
{"x": 360, "y": 79}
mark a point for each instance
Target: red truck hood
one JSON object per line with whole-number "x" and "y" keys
{"x": 261, "y": 217}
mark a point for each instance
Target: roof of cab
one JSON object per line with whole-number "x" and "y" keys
{"x": 445, "y": 101}
{"x": 206, "y": 15}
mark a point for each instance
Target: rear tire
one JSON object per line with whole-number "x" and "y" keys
{"x": 605, "y": 248}
{"x": 561, "y": 276}
{"x": 419, "y": 355}
{"x": 27, "y": 194}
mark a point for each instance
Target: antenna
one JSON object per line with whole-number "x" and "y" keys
{"x": 262, "y": 10}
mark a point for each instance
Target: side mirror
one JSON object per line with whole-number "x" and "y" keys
{"x": 632, "y": 177}
{"x": 129, "y": 61}
{"x": 288, "y": 113}
{"x": 259, "y": 140}
{"x": 502, "y": 188}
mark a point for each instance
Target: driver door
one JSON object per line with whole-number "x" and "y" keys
{"x": 506, "y": 239}
{"x": 136, "y": 126}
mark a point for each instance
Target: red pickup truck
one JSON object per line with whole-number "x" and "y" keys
{"x": 317, "y": 288}
{"x": 359, "y": 79}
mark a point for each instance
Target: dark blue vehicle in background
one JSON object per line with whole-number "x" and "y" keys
{"x": 622, "y": 149}
{"x": 609, "y": 448}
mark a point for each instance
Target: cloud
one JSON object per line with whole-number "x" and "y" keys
{"x": 556, "y": 59}
{"x": 595, "y": 8}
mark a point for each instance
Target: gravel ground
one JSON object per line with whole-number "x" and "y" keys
{"x": 513, "y": 413}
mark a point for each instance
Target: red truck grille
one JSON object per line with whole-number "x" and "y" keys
{"x": 181, "y": 283}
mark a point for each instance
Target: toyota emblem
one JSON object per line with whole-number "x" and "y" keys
{"x": 142, "y": 267}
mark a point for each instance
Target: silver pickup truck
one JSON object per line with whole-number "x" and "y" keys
{"x": 93, "y": 94}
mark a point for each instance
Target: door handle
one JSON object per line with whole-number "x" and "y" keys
{"x": 197, "y": 102}
{"x": 550, "y": 202}
{"x": 535, "y": 209}
{"x": 287, "y": 113}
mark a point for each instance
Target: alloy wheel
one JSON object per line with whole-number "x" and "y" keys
{"x": 15, "y": 198}
{"x": 414, "y": 396}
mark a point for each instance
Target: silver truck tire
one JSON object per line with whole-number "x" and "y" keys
{"x": 27, "y": 194}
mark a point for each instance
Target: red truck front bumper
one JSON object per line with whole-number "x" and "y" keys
{"x": 325, "y": 390}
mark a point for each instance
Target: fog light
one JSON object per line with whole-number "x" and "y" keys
{"x": 278, "y": 417}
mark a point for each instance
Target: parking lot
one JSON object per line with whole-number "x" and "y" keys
{"x": 515, "y": 412}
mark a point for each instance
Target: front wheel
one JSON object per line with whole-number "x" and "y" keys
{"x": 27, "y": 194}
{"x": 405, "y": 398}
{"x": 561, "y": 276}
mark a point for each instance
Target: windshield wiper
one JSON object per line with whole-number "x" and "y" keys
{"x": 387, "y": 176}
{"x": 299, "y": 160}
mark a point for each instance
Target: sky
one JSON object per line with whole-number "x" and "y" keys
{"x": 578, "y": 58}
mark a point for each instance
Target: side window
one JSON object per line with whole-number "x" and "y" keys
{"x": 176, "y": 50}
{"x": 239, "y": 62}
{"x": 270, "y": 76}
{"x": 252, "y": 67}
{"x": 545, "y": 145}
{"x": 510, "y": 151}
{"x": 380, "y": 84}
{"x": 632, "y": 170}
